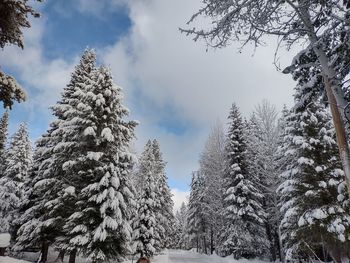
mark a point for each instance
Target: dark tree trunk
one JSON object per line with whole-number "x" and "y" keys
{"x": 72, "y": 256}
{"x": 278, "y": 246}
{"x": 211, "y": 240}
{"x": 60, "y": 256}
{"x": 2, "y": 251}
{"x": 205, "y": 245}
{"x": 44, "y": 251}
{"x": 197, "y": 241}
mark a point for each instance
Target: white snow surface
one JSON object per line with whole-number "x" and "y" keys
{"x": 5, "y": 240}
{"x": 168, "y": 256}
{"x": 11, "y": 260}
{"x": 182, "y": 256}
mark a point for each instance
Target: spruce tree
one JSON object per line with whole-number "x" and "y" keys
{"x": 46, "y": 211}
{"x": 144, "y": 224}
{"x": 163, "y": 198}
{"x": 99, "y": 172}
{"x": 212, "y": 166}
{"x": 242, "y": 233}
{"x": 313, "y": 194}
{"x": 195, "y": 215}
{"x": 17, "y": 166}
{"x": 262, "y": 144}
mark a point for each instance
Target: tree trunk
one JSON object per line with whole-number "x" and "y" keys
{"x": 340, "y": 130}
{"x": 205, "y": 245}
{"x": 72, "y": 256}
{"x": 334, "y": 92}
{"x": 44, "y": 251}
{"x": 197, "y": 241}
{"x": 60, "y": 256}
{"x": 283, "y": 258}
{"x": 211, "y": 240}
{"x": 2, "y": 251}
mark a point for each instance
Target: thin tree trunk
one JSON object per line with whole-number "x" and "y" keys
{"x": 197, "y": 244}
{"x": 72, "y": 256}
{"x": 2, "y": 251}
{"x": 283, "y": 258}
{"x": 205, "y": 245}
{"x": 211, "y": 240}
{"x": 44, "y": 251}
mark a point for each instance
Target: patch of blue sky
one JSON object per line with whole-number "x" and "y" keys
{"x": 69, "y": 31}
{"x": 182, "y": 185}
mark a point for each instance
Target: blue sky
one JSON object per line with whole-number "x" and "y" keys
{"x": 173, "y": 86}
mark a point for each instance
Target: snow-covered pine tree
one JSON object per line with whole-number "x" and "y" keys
{"x": 196, "y": 224}
{"x": 46, "y": 210}
{"x": 262, "y": 143}
{"x": 242, "y": 233}
{"x": 17, "y": 166}
{"x": 98, "y": 170}
{"x": 313, "y": 194}
{"x": 212, "y": 166}
{"x": 144, "y": 223}
{"x": 3, "y": 140}
{"x": 163, "y": 198}
{"x": 181, "y": 223}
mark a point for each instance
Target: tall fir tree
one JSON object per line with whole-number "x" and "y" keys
{"x": 163, "y": 198}
{"x": 44, "y": 214}
{"x": 313, "y": 197}
{"x": 99, "y": 225}
{"x": 262, "y": 143}
{"x": 212, "y": 166}
{"x": 242, "y": 233}
{"x": 83, "y": 184}
{"x": 196, "y": 220}
{"x": 145, "y": 230}
{"x": 12, "y": 195}
{"x": 181, "y": 227}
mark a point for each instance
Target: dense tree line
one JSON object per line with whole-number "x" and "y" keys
{"x": 281, "y": 187}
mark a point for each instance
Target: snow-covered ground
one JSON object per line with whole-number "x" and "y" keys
{"x": 11, "y": 260}
{"x": 171, "y": 256}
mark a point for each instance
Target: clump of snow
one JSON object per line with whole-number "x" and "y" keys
{"x": 89, "y": 131}
{"x": 107, "y": 134}
{"x": 5, "y": 239}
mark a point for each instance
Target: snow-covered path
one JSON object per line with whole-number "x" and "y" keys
{"x": 180, "y": 256}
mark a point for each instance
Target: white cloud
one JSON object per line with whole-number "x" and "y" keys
{"x": 161, "y": 69}
{"x": 179, "y": 197}
{"x": 172, "y": 71}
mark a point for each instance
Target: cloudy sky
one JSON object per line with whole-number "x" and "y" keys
{"x": 174, "y": 86}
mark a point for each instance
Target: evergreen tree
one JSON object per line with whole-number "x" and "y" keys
{"x": 163, "y": 198}
{"x": 262, "y": 143}
{"x": 3, "y": 140}
{"x": 17, "y": 166}
{"x": 181, "y": 226}
{"x": 99, "y": 225}
{"x": 83, "y": 184}
{"x": 212, "y": 166}
{"x": 46, "y": 211}
{"x": 195, "y": 217}
{"x": 242, "y": 233}
{"x": 145, "y": 230}
{"x": 313, "y": 195}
